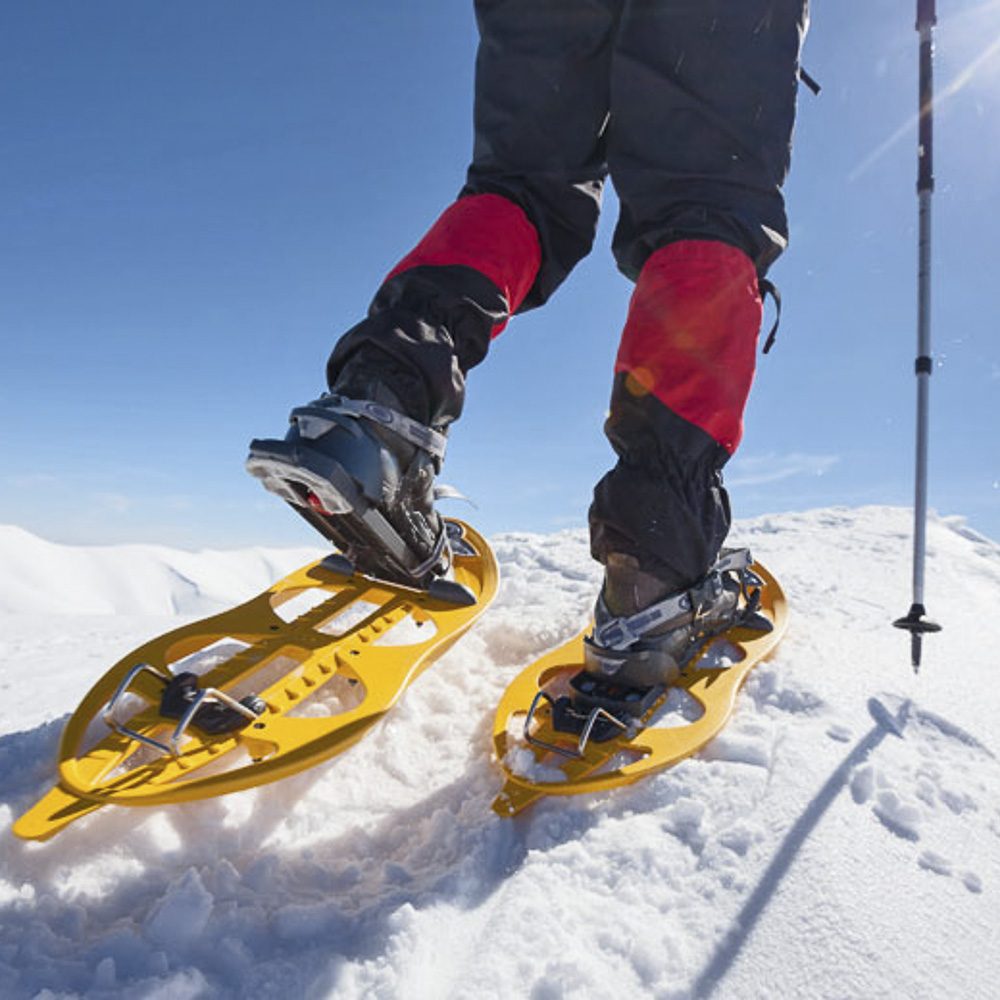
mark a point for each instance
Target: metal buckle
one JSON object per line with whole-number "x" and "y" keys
{"x": 595, "y": 716}
{"x": 173, "y": 746}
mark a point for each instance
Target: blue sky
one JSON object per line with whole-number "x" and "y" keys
{"x": 197, "y": 198}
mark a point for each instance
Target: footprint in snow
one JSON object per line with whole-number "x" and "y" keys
{"x": 923, "y": 784}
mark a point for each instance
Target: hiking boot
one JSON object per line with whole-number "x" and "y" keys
{"x": 362, "y": 472}
{"x": 644, "y": 635}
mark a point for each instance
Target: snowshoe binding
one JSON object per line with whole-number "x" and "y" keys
{"x": 631, "y": 658}
{"x": 641, "y": 640}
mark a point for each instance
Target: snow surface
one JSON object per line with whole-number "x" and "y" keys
{"x": 810, "y": 851}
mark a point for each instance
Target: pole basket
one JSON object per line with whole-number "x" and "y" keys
{"x": 918, "y": 626}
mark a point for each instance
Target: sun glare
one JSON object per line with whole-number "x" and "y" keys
{"x": 962, "y": 36}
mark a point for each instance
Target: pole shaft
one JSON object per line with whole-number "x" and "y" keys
{"x": 923, "y": 369}
{"x": 926, "y": 17}
{"x": 915, "y": 622}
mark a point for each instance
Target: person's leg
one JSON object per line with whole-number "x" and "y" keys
{"x": 434, "y": 315}
{"x": 360, "y": 462}
{"x": 703, "y": 106}
{"x": 682, "y": 377}
{"x": 703, "y": 103}
{"x": 527, "y": 213}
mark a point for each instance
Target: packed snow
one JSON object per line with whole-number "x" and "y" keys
{"x": 840, "y": 839}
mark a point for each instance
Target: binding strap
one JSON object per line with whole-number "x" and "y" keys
{"x": 769, "y": 288}
{"x": 809, "y": 81}
{"x": 685, "y": 606}
{"x": 314, "y": 421}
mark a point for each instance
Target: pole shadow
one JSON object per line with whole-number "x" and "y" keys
{"x": 727, "y": 951}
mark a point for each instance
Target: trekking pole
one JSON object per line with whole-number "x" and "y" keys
{"x": 915, "y": 622}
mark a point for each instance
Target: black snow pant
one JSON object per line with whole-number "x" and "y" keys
{"x": 689, "y": 105}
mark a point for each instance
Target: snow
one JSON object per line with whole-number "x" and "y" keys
{"x": 125, "y": 580}
{"x": 840, "y": 839}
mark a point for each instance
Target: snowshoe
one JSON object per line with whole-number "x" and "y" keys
{"x": 568, "y": 724}
{"x": 293, "y": 677}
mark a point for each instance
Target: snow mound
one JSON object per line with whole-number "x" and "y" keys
{"x": 841, "y": 839}
{"x": 38, "y": 577}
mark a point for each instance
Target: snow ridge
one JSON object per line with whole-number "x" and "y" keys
{"x": 840, "y": 839}
{"x": 39, "y": 577}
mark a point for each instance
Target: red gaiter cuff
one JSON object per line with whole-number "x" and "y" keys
{"x": 691, "y": 334}
{"x": 486, "y": 232}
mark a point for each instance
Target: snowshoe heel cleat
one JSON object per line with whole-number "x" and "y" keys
{"x": 184, "y": 700}
{"x": 599, "y": 709}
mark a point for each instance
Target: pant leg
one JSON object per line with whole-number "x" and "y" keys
{"x": 703, "y": 107}
{"x": 541, "y": 116}
{"x": 703, "y": 100}
{"x": 682, "y": 376}
{"x": 527, "y": 213}
{"x": 434, "y": 315}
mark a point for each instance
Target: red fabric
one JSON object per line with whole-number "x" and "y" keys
{"x": 691, "y": 334}
{"x": 486, "y": 232}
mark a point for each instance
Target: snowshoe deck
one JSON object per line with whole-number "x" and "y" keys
{"x": 245, "y": 697}
{"x": 551, "y": 738}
